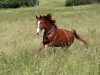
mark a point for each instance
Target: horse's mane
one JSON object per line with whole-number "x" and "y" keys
{"x": 50, "y": 20}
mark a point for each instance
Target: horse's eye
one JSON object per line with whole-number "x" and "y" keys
{"x": 42, "y": 22}
{"x": 37, "y": 22}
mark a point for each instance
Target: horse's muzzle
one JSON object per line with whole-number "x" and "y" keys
{"x": 38, "y": 33}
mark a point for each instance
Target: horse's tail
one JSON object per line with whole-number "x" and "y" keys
{"x": 78, "y": 37}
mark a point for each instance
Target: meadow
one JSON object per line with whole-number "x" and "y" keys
{"x": 19, "y": 41}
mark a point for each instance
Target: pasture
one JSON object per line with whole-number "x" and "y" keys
{"x": 19, "y": 41}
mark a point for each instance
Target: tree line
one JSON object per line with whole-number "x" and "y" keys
{"x": 80, "y": 2}
{"x": 28, "y": 3}
{"x": 17, "y": 3}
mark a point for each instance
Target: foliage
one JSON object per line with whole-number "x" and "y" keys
{"x": 16, "y": 3}
{"x": 79, "y": 2}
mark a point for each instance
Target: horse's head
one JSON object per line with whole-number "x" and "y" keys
{"x": 45, "y": 22}
{"x": 40, "y": 24}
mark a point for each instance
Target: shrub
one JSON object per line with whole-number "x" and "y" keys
{"x": 17, "y": 3}
{"x": 74, "y": 2}
{"x": 79, "y": 2}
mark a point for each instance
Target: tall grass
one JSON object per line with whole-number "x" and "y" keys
{"x": 19, "y": 42}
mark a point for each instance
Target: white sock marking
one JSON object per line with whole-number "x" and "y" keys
{"x": 46, "y": 46}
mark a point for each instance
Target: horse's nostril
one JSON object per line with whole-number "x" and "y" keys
{"x": 38, "y": 33}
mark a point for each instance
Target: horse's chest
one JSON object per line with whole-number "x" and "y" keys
{"x": 45, "y": 40}
{"x": 48, "y": 38}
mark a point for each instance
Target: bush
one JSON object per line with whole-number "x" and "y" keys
{"x": 17, "y": 3}
{"x": 79, "y": 2}
{"x": 74, "y": 2}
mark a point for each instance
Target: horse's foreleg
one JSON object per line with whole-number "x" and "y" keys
{"x": 41, "y": 47}
{"x": 49, "y": 44}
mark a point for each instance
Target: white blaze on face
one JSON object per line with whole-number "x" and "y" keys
{"x": 38, "y": 27}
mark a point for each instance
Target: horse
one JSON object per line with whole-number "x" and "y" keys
{"x": 54, "y": 36}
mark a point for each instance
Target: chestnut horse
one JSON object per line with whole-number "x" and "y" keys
{"x": 53, "y": 36}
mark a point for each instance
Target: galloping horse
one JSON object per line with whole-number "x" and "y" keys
{"x": 53, "y": 36}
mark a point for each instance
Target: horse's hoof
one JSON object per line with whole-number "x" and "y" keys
{"x": 38, "y": 50}
{"x": 46, "y": 46}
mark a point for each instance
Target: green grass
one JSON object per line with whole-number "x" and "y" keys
{"x": 19, "y": 42}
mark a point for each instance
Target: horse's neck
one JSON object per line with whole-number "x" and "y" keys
{"x": 46, "y": 31}
{"x": 49, "y": 27}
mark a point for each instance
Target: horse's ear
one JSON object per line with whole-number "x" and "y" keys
{"x": 49, "y": 15}
{"x": 40, "y": 16}
{"x": 37, "y": 17}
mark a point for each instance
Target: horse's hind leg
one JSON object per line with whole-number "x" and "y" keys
{"x": 67, "y": 46}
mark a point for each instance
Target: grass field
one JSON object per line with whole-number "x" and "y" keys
{"x": 19, "y": 42}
